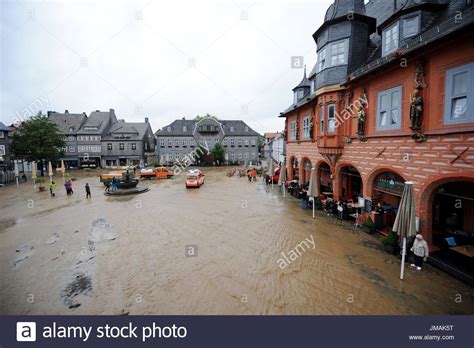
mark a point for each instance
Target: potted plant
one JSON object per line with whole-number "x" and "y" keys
{"x": 41, "y": 186}
{"x": 368, "y": 226}
{"x": 390, "y": 242}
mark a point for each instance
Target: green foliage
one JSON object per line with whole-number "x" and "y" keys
{"x": 369, "y": 223}
{"x": 390, "y": 239}
{"x": 318, "y": 205}
{"x": 38, "y": 139}
{"x": 200, "y": 153}
{"x": 202, "y": 117}
{"x": 156, "y": 164}
{"x": 218, "y": 153}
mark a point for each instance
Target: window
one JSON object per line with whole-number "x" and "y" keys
{"x": 254, "y": 155}
{"x": 2, "y": 135}
{"x": 109, "y": 146}
{"x": 313, "y": 86}
{"x": 2, "y": 150}
{"x": 224, "y": 142}
{"x": 390, "y": 39}
{"x": 306, "y": 127}
{"x": 240, "y": 155}
{"x": 232, "y": 142}
{"x": 162, "y": 142}
{"x": 176, "y": 156}
{"x": 410, "y": 26}
{"x": 185, "y": 129}
{"x": 331, "y": 118}
{"x": 338, "y": 56}
{"x": 232, "y": 155}
{"x": 72, "y": 148}
{"x": 388, "y": 109}
{"x": 185, "y": 143}
{"x": 293, "y": 130}
{"x": 459, "y": 105}
{"x": 239, "y": 142}
{"x": 134, "y": 146}
{"x": 121, "y": 146}
{"x": 247, "y": 143}
{"x": 216, "y": 140}
{"x": 322, "y": 59}
{"x": 321, "y": 119}
{"x": 168, "y": 129}
{"x": 246, "y": 129}
{"x": 170, "y": 143}
{"x": 253, "y": 142}
{"x": 246, "y": 155}
{"x": 71, "y": 129}
{"x": 176, "y": 142}
{"x": 71, "y": 139}
{"x": 231, "y": 129}
{"x": 192, "y": 142}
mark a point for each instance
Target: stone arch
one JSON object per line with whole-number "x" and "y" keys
{"x": 369, "y": 180}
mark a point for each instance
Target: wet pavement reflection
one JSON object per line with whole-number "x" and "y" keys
{"x": 253, "y": 252}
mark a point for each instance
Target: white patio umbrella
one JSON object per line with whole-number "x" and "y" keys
{"x": 62, "y": 169}
{"x": 50, "y": 171}
{"x": 33, "y": 173}
{"x": 282, "y": 178}
{"x": 270, "y": 170}
{"x": 17, "y": 174}
{"x": 405, "y": 222}
{"x": 313, "y": 188}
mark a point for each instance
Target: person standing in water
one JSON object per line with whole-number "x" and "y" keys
{"x": 88, "y": 190}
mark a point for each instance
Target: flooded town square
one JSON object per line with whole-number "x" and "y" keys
{"x": 228, "y": 247}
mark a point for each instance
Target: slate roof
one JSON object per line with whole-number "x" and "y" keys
{"x": 305, "y": 83}
{"x": 127, "y": 131}
{"x": 99, "y": 120}
{"x": 66, "y": 120}
{"x": 177, "y": 128}
{"x": 4, "y": 128}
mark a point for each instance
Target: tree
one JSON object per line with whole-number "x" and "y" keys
{"x": 199, "y": 117}
{"x": 218, "y": 153}
{"x": 38, "y": 139}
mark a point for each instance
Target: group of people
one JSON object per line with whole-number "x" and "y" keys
{"x": 112, "y": 184}
{"x": 252, "y": 175}
{"x": 68, "y": 187}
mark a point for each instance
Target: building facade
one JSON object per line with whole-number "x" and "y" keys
{"x": 274, "y": 147}
{"x": 101, "y": 140}
{"x": 182, "y": 137}
{"x": 5, "y": 157}
{"x": 386, "y": 103}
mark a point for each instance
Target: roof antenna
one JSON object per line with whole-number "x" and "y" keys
{"x": 305, "y": 71}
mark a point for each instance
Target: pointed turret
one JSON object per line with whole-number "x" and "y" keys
{"x": 303, "y": 88}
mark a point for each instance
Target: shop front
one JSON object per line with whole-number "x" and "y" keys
{"x": 387, "y": 190}
{"x": 325, "y": 181}
{"x": 306, "y": 172}
{"x": 294, "y": 170}
{"x": 350, "y": 184}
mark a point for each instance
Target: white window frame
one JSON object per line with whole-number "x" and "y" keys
{"x": 389, "y": 109}
{"x": 232, "y": 142}
{"x": 394, "y": 32}
{"x": 293, "y": 130}
{"x": 322, "y": 57}
{"x": 162, "y": 142}
{"x": 109, "y": 146}
{"x": 306, "y": 127}
{"x": 170, "y": 142}
{"x": 321, "y": 119}
{"x": 339, "y": 52}
{"x": 331, "y": 120}
{"x": 72, "y": 149}
{"x": 134, "y": 146}
{"x": 450, "y": 96}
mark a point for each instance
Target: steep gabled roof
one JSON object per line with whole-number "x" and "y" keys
{"x": 127, "y": 131}
{"x": 176, "y": 128}
{"x": 67, "y": 122}
{"x": 98, "y": 122}
{"x": 4, "y": 128}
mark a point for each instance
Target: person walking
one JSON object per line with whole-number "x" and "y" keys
{"x": 420, "y": 251}
{"x": 66, "y": 186}
{"x": 52, "y": 188}
{"x": 70, "y": 187}
{"x": 88, "y": 190}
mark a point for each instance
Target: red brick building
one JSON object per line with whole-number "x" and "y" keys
{"x": 391, "y": 99}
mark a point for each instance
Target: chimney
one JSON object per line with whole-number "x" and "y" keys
{"x": 146, "y": 119}
{"x": 66, "y": 111}
{"x": 97, "y": 111}
{"x": 184, "y": 118}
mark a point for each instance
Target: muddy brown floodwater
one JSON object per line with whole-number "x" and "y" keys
{"x": 109, "y": 255}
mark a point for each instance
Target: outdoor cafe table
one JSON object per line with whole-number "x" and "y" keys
{"x": 467, "y": 250}
{"x": 356, "y": 206}
{"x": 327, "y": 194}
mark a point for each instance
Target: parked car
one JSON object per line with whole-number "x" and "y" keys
{"x": 194, "y": 178}
{"x": 157, "y": 172}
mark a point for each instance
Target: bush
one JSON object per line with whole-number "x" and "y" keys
{"x": 390, "y": 239}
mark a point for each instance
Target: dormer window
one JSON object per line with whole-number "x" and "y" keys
{"x": 168, "y": 129}
{"x": 410, "y": 26}
{"x": 185, "y": 129}
{"x": 246, "y": 129}
{"x": 390, "y": 39}
{"x": 71, "y": 129}
{"x": 231, "y": 129}
{"x": 333, "y": 54}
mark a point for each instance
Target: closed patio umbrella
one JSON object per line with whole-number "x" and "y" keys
{"x": 17, "y": 174}
{"x": 33, "y": 173}
{"x": 405, "y": 222}
{"x": 50, "y": 171}
{"x": 313, "y": 188}
{"x": 282, "y": 178}
{"x": 62, "y": 169}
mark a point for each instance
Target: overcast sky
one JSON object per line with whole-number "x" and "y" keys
{"x": 158, "y": 59}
